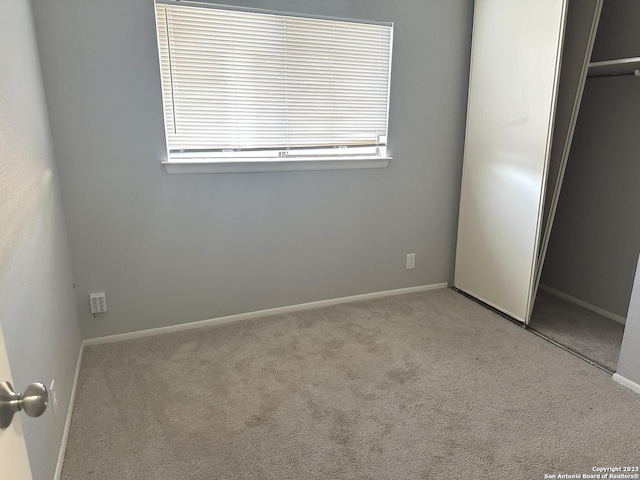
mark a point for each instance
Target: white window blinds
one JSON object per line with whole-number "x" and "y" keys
{"x": 244, "y": 81}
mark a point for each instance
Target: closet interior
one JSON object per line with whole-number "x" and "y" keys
{"x": 549, "y": 218}
{"x": 587, "y": 266}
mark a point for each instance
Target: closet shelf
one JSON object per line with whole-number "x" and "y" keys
{"x": 622, "y": 66}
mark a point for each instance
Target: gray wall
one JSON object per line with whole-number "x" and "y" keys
{"x": 37, "y": 303}
{"x": 575, "y": 51}
{"x": 618, "y": 31}
{"x": 629, "y": 360}
{"x": 596, "y": 234}
{"x": 169, "y": 249}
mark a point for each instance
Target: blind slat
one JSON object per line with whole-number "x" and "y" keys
{"x": 247, "y": 80}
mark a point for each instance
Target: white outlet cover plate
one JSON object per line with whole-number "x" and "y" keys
{"x": 411, "y": 261}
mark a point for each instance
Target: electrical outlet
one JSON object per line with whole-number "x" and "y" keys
{"x": 411, "y": 261}
{"x": 98, "y": 302}
{"x": 53, "y": 398}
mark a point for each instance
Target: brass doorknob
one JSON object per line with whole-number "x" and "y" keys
{"x": 33, "y": 401}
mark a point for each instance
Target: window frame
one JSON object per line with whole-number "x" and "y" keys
{"x": 276, "y": 160}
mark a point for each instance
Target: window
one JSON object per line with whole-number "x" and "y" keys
{"x": 257, "y": 90}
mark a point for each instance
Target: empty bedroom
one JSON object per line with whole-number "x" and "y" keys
{"x": 308, "y": 239}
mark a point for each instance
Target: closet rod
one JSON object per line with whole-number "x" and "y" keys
{"x": 635, "y": 73}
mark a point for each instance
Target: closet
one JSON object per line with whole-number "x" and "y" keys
{"x": 547, "y": 199}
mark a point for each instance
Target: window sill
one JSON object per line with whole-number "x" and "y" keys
{"x": 232, "y": 165}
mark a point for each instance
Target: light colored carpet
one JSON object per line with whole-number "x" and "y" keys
{"x": 591, "y": 335}
{"x": 419, "y": 386}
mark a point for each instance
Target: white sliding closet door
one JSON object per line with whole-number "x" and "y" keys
{"x": 515, "y": 66}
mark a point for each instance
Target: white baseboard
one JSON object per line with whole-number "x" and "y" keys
{"x": 257, "y": 314}
{"x": 626, "y": 382}
{"x": 67, "y": 423}
{"x": 583, "y": 304}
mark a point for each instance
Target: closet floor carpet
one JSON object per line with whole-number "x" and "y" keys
{"x": 418, "y": 386}
{"x": 591, "y": 335}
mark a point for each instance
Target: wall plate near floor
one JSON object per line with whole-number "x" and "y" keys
{"x": 411, "y": 261}
{"x": 98, "y": 302}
